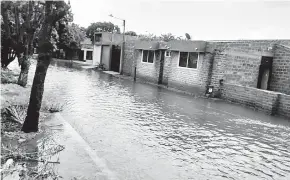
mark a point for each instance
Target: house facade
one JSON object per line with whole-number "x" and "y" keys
{"x": 174, "y": 64}
{"x": 254, "y": 72}
{"x": 106, "y": 50}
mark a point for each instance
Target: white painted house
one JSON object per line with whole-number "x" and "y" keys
{"x": 106, "y": 50}
{"x": 87, "y": 50}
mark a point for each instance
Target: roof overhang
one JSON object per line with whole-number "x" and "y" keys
{"x": 176, "y": 45}
{"x": 147, "y": 45}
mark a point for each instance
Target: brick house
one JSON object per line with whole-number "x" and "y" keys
{"x": 174, "y": 63}
{"x": 251, "y": 72}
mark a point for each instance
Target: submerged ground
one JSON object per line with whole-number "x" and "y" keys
{"x": 145, "y": 132}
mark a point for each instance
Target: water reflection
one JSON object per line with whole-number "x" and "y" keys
{"x": 144, "y": 132}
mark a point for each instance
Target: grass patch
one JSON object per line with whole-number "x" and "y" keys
{"x": 8, "y": 76}
{"x": 52, "y": 107}
{"x": 12, "y": 118}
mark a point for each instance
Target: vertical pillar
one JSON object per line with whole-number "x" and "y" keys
{"x": 85, "y": 54}
{"x": 161, "y": 64}
{"x": 110, "y": 57}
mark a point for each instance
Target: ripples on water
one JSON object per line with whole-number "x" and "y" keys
{"x": 148, "y": 133}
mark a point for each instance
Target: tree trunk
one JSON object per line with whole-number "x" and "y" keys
{"x": 23, "y": 76}
{"x": 44, "y": 57}
{"x": 32, "y": 118}
{"x": 4, "y": 56}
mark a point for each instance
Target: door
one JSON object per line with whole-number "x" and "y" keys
{"x": 81, "y": 55}
{"x": 265, "y": 72}
{"x": 97, "y": 55}
{"x": 106, "y": 57}
{"x": 265, "y": 79}
{"x": 116, "y": 55}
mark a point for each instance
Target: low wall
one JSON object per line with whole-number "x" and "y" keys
{"x": 284, "y": 105}
{"x": 258, "y": 99}
{"x": 268, "y": 101}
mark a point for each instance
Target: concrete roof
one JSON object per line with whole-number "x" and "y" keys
{"x": 175, "y": 45}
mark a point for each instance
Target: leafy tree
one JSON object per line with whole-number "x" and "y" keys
{"x": 78, "y": 33}
{"x": 101, "y": 27}
{"x": 168, "y": 37}
{"x": 54, "y": 11}
{"x": 148, "y": 37}
{"x": 163, "y": 37}
{"x": 71, "y": 35}
{"x": 21, "y": 22}
{"x": 131, "y": 33}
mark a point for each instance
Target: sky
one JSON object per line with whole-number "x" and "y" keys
{"x": 203, "y": 20}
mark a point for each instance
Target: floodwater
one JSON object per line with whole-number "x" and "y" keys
{"x": 145, "y": 132}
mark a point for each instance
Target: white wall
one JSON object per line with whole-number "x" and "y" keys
{"x": 97, "y": 54}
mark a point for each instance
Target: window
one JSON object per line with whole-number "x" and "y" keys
{"x": 188, "y": 60}
{"x": 89, "y": 55}
{"x": 167, "y": 53}
{"x": 98, "y": 37}
{"x": 148, "y": 56}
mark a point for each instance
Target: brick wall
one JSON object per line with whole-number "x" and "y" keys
{"x": 247, "y": 45}
{"x": 274, "y": 103}
{"x": 280, "y": 80}
{"x": 188, "y": 79}
{"x": 239, "y": 61}
{"x": 147, "y": 71}
{"x": 256, "y": 98}
{"x": 284, "y": 105}
{"x": 236, "y": 68}
{"x": 129, "y": 58}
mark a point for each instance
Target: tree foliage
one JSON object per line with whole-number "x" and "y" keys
{"x": 101, "y": 27}
{"x": 131, "y": 33}
{"x": 169, "y": 37}
{"x": 148, "y": 37}
{"x": 163, "y": 37}
{"x": 78, "y": 33}
{"x": 20, "y": 22}
{"x": 70, "y": 34}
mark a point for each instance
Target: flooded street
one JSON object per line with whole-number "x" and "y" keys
{"x": 145, "y": 132}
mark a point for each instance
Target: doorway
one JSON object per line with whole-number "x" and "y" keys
{"x": 115, "y": 60}
{"x": 81, "y": 55}
{"x": 265, "y": 72}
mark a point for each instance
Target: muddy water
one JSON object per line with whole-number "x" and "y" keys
{"x": 143, "y": 132}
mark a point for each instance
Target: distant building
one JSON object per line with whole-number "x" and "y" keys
{"x": 86, "y": 53}
{"x": 106, "y": 50}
